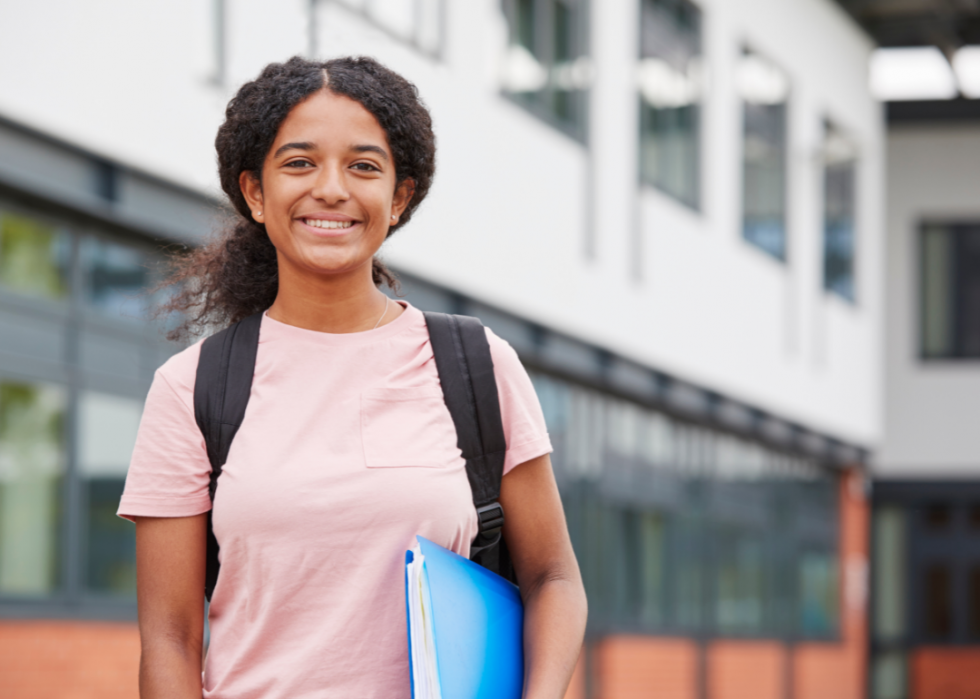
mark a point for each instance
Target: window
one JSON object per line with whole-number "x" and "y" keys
{"x": 416, "y": 22}
{"x": 116, "y": 278}
{"x": 34, "y": 256}
{"x": 107, "y": 432}
{"x": 764, "y": 90}
{"x": 739, "y": 581}
{"x": 670, "y": 77}
{"x": 839, "y": 203}
{"x": 546, "y": 68}
{"x": 32, "y": 464}
{"x": 950, "y": 291}
{"x": 683, "y": 530}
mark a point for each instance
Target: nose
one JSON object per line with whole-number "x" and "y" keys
{"x": 330, "y": 185}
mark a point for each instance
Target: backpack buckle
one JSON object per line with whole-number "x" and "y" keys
{"x": 491, "y": 518}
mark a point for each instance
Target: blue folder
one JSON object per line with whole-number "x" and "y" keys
{"x": 477, "y": 623}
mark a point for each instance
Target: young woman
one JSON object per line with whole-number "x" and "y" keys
{"x": 347, "y": 450}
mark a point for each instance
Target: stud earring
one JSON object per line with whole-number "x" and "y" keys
{"x": 394, "y": 218}
{"x": 257, "y": 214}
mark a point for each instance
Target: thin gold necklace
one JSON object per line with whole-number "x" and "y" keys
{"x": 387, "y": 301}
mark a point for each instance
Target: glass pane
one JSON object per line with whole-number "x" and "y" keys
{"x": 839, "y": 214}
{"x": 652, "y": 564}
{"x": 938, "y": 517}
{"x": 33, "y": 257}
{"x": 764, "y": 89}
{"x": 973, "y": 593}
{"x": 107, "y": 434}
{"x": 116, "y": 278}
{"x": 670, "y": 78}
{"x": 544, "y": 65}
{"x": 968, "y": 292}
{"x": 818, "y": 594}
{"x": 739, "y": 582}
{"x": 888, "y": 676}
{"x": 937, "y": 317}
{"x": 938, "y": 601}
{"x": 562, "y": 59}
{"x": 31, "y": 465}
{"x": 687, "y": 573}
{"x": 889, "y": 573}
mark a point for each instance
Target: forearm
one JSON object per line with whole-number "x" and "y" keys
{"x": 554, "y": 627}
{"x": 170, "y": 670}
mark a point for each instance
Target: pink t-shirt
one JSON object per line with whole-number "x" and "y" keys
{"x": 346, "y": 453}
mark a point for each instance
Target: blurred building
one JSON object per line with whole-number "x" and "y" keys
{"x": 926, "y": 522}
{"x": 672, "y": 210}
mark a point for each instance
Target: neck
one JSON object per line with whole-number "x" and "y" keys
{"x": 341, "y": 303}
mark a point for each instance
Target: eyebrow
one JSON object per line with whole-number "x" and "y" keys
{"x": 308, "y": 146}
{"x": 304, "y": 146}
{"x": 370, "y": 149}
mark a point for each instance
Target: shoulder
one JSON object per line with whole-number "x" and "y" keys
{"x": 504, "y": 356}
{"x": 180, "y": 371}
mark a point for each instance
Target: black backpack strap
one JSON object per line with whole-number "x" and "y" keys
{"x": 462, "y": 354}
{"x": 221, "y": 392}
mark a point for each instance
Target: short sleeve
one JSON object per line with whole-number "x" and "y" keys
{"x": 524, "y": 426}
{"x": 169, "y": 471}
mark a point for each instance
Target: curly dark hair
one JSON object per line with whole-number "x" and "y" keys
{"x": 236, "y": 274}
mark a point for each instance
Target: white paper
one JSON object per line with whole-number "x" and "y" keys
{"x": 425, "y": 669}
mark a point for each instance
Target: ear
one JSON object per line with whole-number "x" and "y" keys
{"x": 403, "y": 195}
{"x": 252, "y": 191}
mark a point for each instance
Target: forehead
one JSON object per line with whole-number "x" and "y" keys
{"x": 328, "y": 121}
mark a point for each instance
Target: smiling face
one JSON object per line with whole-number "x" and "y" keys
{"x": 327, "y": 195}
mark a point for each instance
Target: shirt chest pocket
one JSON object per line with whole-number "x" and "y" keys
{"x": 407, "y": 427}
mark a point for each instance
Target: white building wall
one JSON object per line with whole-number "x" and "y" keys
{"x": 932, "y": 408}
{"x": 516, "y": 203}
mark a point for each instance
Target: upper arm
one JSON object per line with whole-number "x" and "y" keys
{"x": 534, "y": 525}
{"x": 170, "y": 564}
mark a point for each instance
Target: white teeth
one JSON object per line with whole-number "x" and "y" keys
{"x": 321, "y": 223}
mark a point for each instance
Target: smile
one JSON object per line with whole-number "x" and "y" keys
{"x": 323, "y": 223}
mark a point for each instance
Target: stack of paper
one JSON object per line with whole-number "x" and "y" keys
{"x": 465, "y": 627}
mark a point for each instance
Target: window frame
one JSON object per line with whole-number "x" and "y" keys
{"x": 747, "y": 49}
{"x": 72, "y": 317}
{"x": 537, "y": 103}
{"x": 949, "y": 227}
{"x": 696, "y": 203}
{"x": 854, "y": 163}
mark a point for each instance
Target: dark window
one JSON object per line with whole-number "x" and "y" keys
{"x": 116, "y": 278}
{"x": 938, "y": 517}
{"x": 670, "y": 75}
{"x": 951, "y": 291}
{"x": 839, "y": 204}
{"x": 973, "y": 591}
{"x": 764, "y": 90}
{"x": 108, "y": 426}
{"x": 938, "y": 601}
{"x": 546, "y": 67}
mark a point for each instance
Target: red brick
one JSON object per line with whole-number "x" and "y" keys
{"x": 629, "y": 667}
{"x": 68, "y": 660}
{"x": 946, "y": 673}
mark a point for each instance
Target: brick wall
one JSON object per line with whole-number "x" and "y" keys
{"x": 643, "y": 666}
{"x": 639, "y": 666}
{"x": 946, "y": 673}
{"x": 68, "y": 660}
